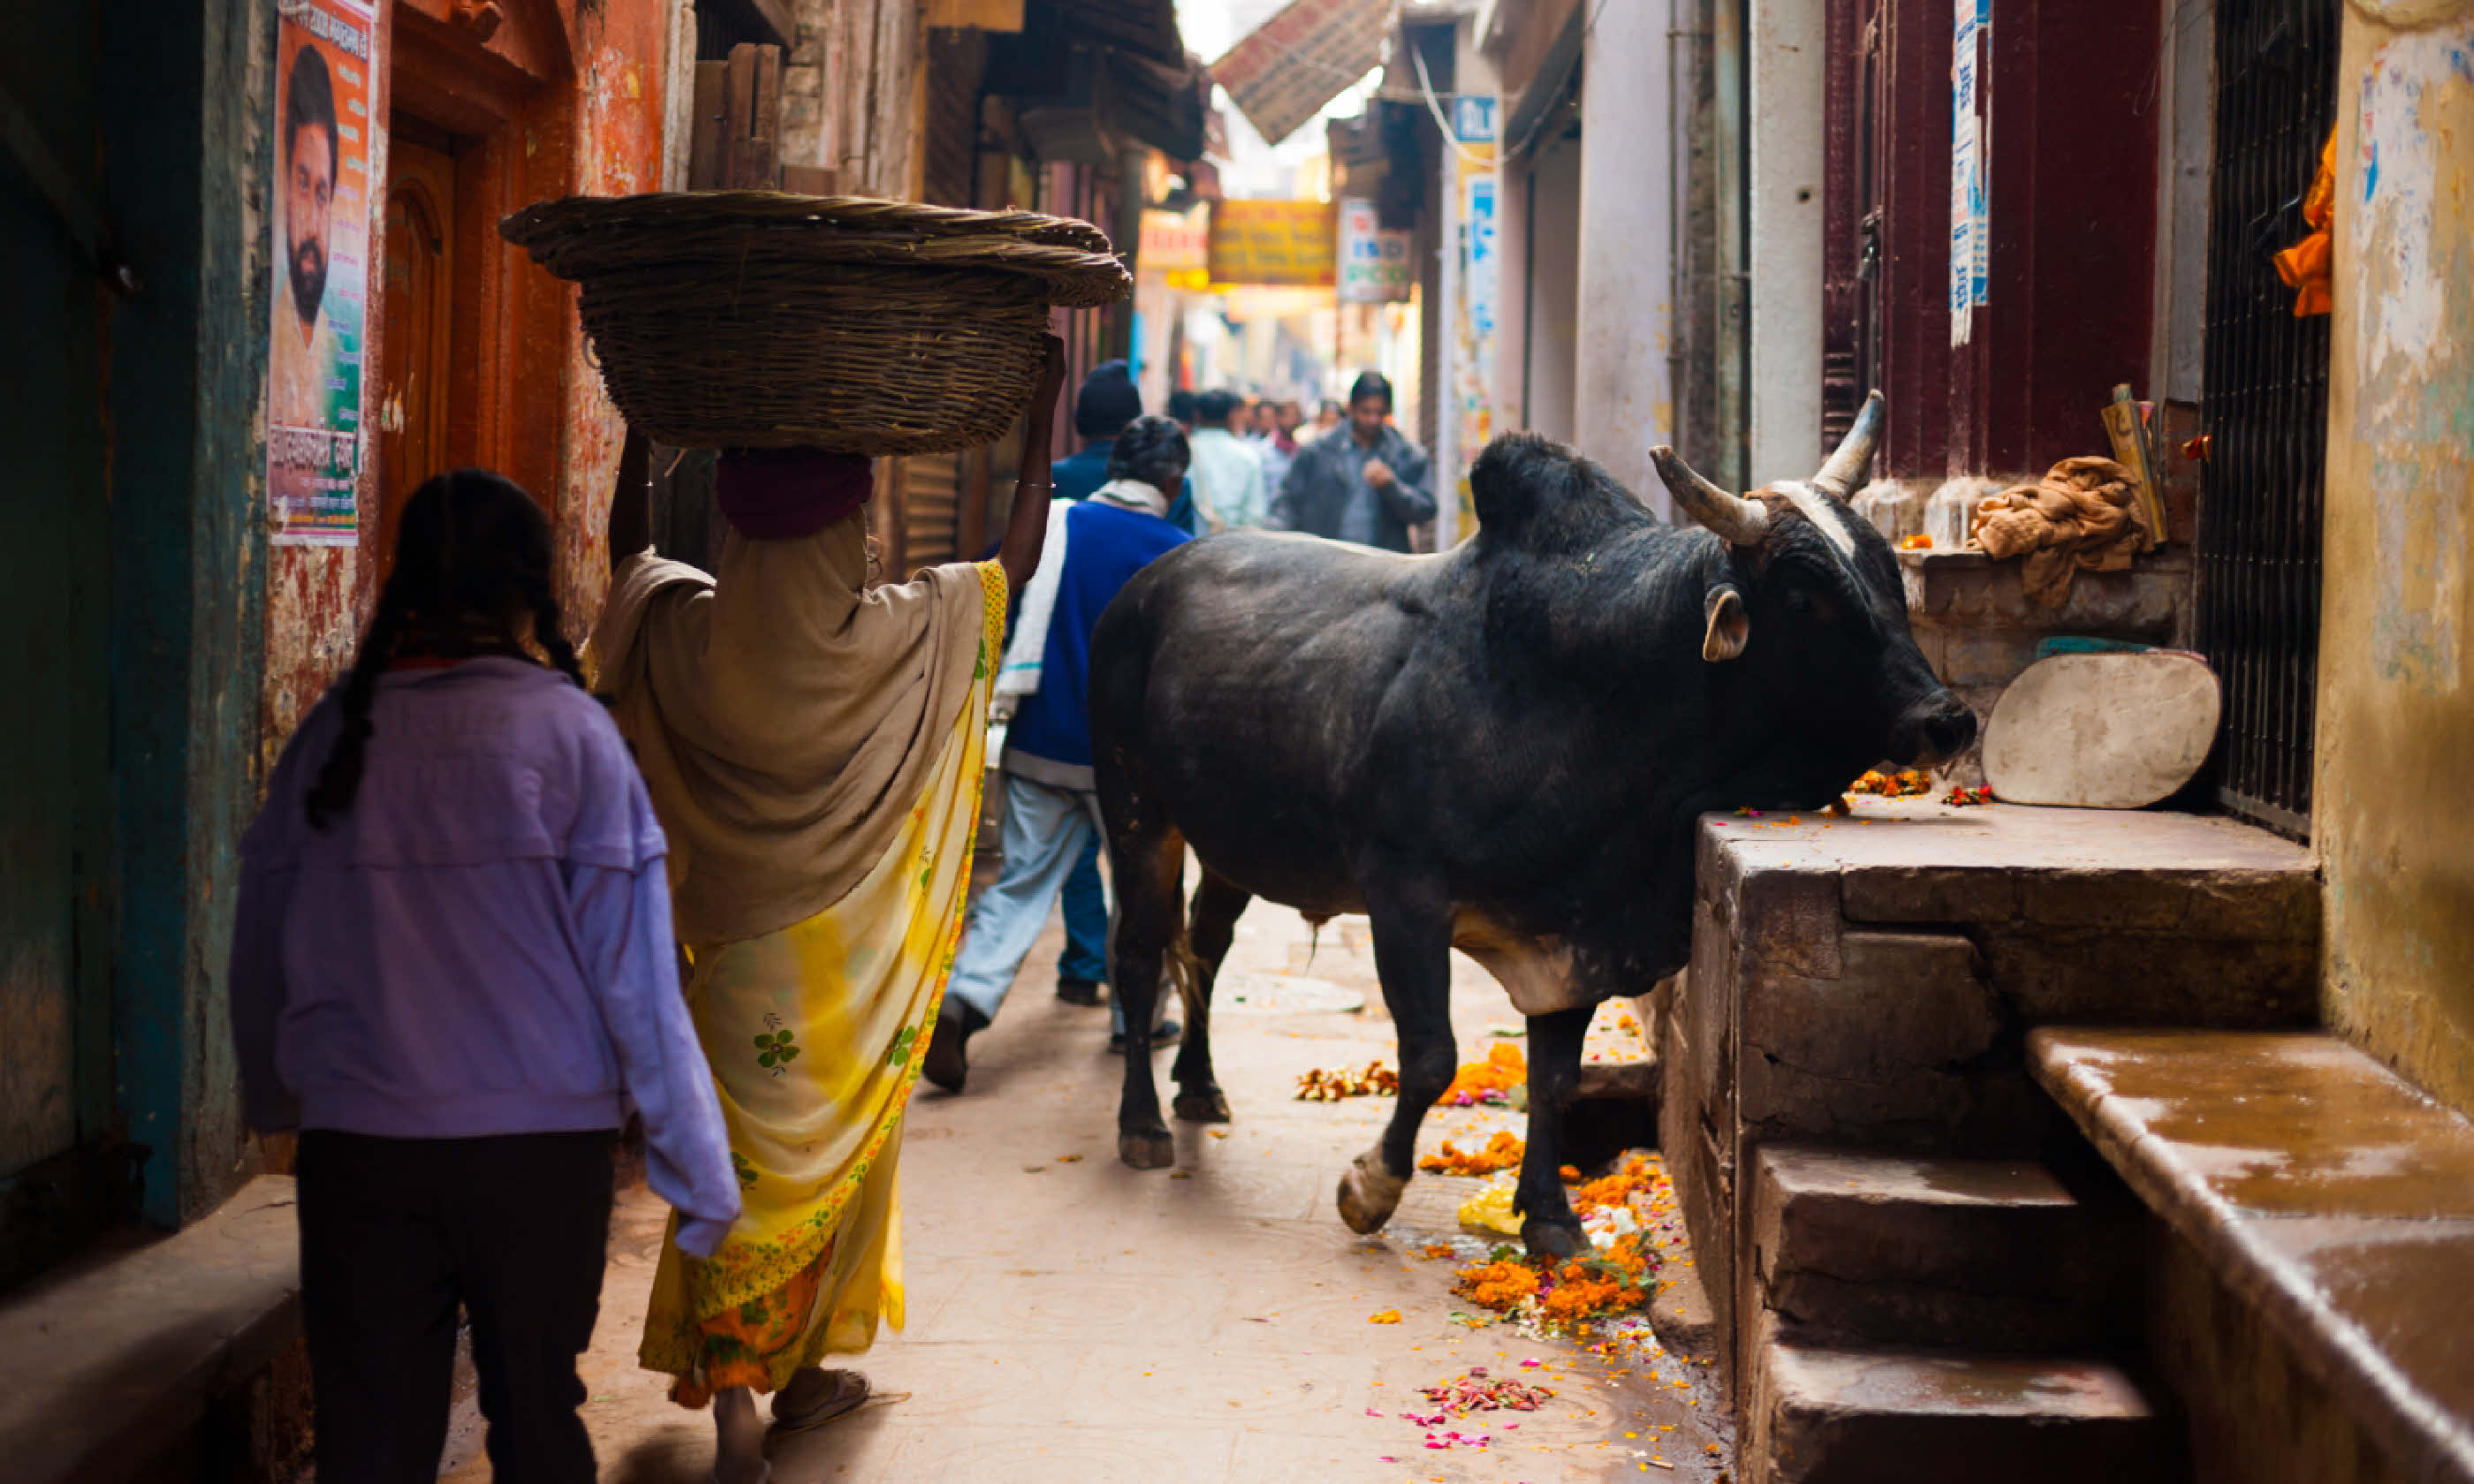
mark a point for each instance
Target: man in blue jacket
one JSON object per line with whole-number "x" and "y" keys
{"x": 1052, "y": 812}
{"x": 1107, "y": 402}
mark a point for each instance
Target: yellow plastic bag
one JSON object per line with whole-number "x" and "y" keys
{"x": 1490, "y": 1209}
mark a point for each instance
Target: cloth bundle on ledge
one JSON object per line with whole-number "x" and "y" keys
{"x": 2082, "y": 516}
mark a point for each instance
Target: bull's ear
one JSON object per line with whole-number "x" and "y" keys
{"x": 1729, "y": 626}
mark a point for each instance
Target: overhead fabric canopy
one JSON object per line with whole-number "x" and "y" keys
{"x": 1301, "y": 58}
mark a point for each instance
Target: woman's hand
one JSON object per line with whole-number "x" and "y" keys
{"x": 1027, "y": 526}
{"x": 1039, "y": 427}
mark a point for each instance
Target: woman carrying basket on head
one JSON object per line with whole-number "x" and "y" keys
{"x": 814, "y": 752}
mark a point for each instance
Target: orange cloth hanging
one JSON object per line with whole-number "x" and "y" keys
{"x": 2305, "y": 266}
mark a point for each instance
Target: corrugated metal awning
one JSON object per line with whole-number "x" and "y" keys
{"x": 1301, "y": 58}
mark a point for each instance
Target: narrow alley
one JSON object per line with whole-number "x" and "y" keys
{"x": 1075, "y": 1321}
{"x": 635, "y": 627}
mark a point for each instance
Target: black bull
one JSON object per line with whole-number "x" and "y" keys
{"x": 1502, "y": 749}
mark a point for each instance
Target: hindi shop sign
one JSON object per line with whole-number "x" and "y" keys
{"x": 1285, "y": 243}
{"x": 1374, "y": 263}
{"x": 322, "y": 246}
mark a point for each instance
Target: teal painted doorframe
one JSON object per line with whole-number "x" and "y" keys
{"x": 186, "y": 106}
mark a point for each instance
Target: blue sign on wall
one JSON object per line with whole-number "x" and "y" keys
{"x": 1473, "y": 119}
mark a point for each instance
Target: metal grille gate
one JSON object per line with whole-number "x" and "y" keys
{"x": 2264, "y": 405}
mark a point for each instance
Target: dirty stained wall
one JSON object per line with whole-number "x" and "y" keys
{"x": 2396, "y": 709}
{"x": 621, "y": 52}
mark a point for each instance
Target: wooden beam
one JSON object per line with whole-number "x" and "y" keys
{"x": 705, "y": 152}
{"x": 752, "y": 118}
{"x": 810, "y": 181}
{"x": 986, "y": 14}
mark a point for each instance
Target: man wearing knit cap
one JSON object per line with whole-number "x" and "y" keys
{"x": 1109, "y": 400}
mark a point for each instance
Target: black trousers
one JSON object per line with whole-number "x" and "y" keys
{"x": 395, "y": 1232}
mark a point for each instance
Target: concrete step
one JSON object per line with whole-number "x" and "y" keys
{"x": 1993, "y": 1254}
{"x": 1846, "y": 1416}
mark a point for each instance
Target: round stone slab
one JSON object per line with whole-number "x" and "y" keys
{"x": 2101, "y": 732}
{"x": 1271, "y": 994}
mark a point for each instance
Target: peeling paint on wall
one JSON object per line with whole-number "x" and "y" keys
{"x": 2397, "y": 715}
{"x": 2414, "y": 365}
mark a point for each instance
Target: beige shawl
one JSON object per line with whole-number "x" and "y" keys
{"x": 786, "y": 720}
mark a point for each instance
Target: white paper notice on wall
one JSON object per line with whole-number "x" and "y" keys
{"x": 1968, "y": 214}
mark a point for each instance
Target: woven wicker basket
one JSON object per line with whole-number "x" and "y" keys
{"x": 757, "y": 319}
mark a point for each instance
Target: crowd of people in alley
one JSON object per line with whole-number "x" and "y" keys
{"x": 713, "y": 874}
{"x": 1350, "y": 475}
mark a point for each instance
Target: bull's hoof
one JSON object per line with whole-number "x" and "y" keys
{"x": 1369, "y": 1193}
{"x": 1148, "y": 1149}
{"x": 1210, "y": 1106}
{"x": 1556, "y": 1239}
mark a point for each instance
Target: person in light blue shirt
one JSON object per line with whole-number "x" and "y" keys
{"x": 1227, "y": 471}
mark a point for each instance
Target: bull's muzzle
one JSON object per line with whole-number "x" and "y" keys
{"x": 1932, "y": 732}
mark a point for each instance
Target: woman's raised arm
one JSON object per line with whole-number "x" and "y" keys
{"x": 1027, "y": 528}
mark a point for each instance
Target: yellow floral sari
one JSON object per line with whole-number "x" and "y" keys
{"x": 814, "y": 1034}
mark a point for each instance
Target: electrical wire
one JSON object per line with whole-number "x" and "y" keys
{"x": 1570, "y": 68}
{"x": 1451, "y": 136}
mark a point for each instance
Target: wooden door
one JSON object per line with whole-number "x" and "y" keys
{"x": 420, "y": 291}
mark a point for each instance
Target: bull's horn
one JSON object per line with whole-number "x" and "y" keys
{"x": 1852, "y": 465}
{"x": 1737, "y": 521}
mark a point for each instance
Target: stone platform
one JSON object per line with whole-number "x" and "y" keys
{"x": 1867, "y": 985}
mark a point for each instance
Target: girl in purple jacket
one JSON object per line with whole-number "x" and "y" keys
{"x": 452, "y": 975}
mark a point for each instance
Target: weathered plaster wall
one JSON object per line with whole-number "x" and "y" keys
{"x": 621, "y": 54}
{"x": 2396, "y": 711}
{"x": 1623, "y": 399}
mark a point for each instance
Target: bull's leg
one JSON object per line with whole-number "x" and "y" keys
{"x": 1550, "y": 1230}
{"x": 1413, "y": 950}
{"x": 1217, "y": 902}
{"x": 1148, "y": 863}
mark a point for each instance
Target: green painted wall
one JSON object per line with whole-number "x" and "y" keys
{"x": 54, "y": 577}
{"x": 131, "y": 599}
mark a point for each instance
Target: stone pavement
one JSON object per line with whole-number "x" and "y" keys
{"x": 1074, "y": 1320}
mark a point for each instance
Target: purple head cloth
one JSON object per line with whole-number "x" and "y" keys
{"x": 779, "y": 494}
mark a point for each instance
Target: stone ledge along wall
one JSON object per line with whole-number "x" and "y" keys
{"x": 1868, "y": 983}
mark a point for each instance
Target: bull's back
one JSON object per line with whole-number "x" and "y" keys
{"x": 1235, "y": 687}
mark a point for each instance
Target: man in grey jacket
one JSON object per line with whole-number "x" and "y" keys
{"x": 1363, "y": 481}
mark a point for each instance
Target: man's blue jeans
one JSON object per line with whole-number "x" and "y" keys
{"x": 1045, "y": 831}
{"x": 1086, "y": 920}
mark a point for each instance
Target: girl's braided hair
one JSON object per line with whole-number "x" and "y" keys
{"x": 471, "y": 565}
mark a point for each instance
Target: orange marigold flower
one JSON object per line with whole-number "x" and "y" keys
{"x": 1501, "y": 1152}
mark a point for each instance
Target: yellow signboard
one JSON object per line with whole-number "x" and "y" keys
{"x": 1286, "y": 242}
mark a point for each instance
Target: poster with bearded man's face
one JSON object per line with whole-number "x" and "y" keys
{"x": 322, "y": 246}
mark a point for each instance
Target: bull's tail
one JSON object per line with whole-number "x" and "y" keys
{"x": 1184, "y": 968}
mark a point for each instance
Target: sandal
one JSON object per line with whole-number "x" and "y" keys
{"x": 850, "y": 1393}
